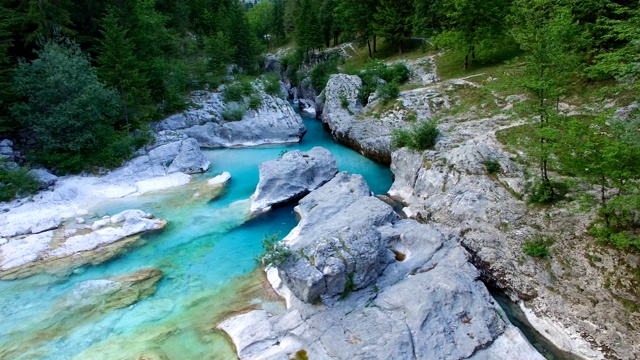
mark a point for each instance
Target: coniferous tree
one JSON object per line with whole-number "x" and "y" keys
{"x": 48, "y": 18}
{"x": 549, "y": 35}
{"x": 69, "y": 111}
{"x": 119, "y": 67}
{"x": 393, "y": 20}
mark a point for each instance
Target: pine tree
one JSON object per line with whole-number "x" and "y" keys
{"x": 549, "y": 35}
{"x": 50, "y": 18}
{"x": 120, "y": 68}
{"x": 393, "y": 20}
{"x": 69, "y": 111}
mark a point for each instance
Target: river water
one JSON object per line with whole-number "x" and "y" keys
{"x": 207, "y": 253}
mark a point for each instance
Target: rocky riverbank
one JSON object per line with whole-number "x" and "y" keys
{"x": 450, "y": 186}
{"x": 362, "y": 283}
{"x": 273, "y": 122}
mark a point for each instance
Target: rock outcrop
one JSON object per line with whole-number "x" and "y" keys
{"x": 60, "y": 249}
{"x": 407, "y": 289}
{"x": 7, "y": 156}
{"x": 44, "y": 177}
{"x": 368, "y": 130}
{"x": 273, "y": 122}
{"x": 100, "y": 296}
{"x": 292, "y": 176}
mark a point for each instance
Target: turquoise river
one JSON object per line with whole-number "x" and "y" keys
{"x": 207, "y": 253}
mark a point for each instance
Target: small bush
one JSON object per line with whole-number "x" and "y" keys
{"x": 401, "y": 138}
{"x": 274, "y": 251}
{"x": 16, "y": 183}
{"x": 255, "y": 102}
{"x": 233, "y": 113}
{"x": 538, "y": 247}
{"x": 272, "y": 85}
{"x": 320, "y": 73}
{"x": 237, "y": 91}
{"x": 492, "y": 166}
{"x": 421, "y": 137}
{"x": 233, "y": 92}
{"x": 344, "y": 102}
{"x": 424, "y": 135}
{"x": 541, "y": 192}
{"x": 388, "y": 92}
{"x": 349, "y": 286}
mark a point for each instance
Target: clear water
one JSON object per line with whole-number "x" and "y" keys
{"x": 207, "y": 253}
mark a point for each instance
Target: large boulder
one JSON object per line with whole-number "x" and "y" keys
{"x": 407, "y": 289}
{"x": 44, "y": 177}
{"x": 72, "y": 245}
{"x": 292, "y": 176}
{"x": 273, "y": 122}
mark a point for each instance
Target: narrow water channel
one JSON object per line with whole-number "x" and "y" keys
{"x": 207, "y": 253}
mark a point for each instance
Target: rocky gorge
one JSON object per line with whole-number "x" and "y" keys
{"x": 566, "y": 297}
{"x": 361, "y": 280}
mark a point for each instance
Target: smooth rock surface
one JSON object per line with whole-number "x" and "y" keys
{"x": 60, "y": 251}
{"x": 292, "y": 176}
{"x": 44, "y": 177}
{"x": 412, "y": 294}
{"x": 273, "y": 122}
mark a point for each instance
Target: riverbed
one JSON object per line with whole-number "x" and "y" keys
{"x": 208, "y": 255}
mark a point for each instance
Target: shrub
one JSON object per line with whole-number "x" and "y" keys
{"x": 255, "y": 102}
{"x": 538, "y": 247}
{"x": 541, "y": 192}
{"x": 237, "y": 91}
{"x": 15, "y": 183}
{"x": 233, "y": 92}
{"x": 401, "y": 138}
{"x": 492, "y": 166}
{"x": 235, "y": 113}
{"x": 375, "y": 71}
{"x": 274, "y": 251}
{"x": 424, "y": 135}
{"x": 344, "y": 102}
{"x": 320, "y": 73}
{"x": 272, "y": 85}
{"x": 421, "y": 137}
{"x": 388, "y": 92}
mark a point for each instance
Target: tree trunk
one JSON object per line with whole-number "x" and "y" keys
{"x": 369, "y": 45}
{"x": 466, "y": 61}
{"x": 400, "y": 46}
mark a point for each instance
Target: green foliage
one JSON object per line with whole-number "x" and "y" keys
{"x": 393, "y": 20}
{"x": 255, "y": 102}
{"x": 344, "y": 102}
{"x": 301, "y": 355}
{"x": 540, "y": 192}
{"x": 492, "y": 166}
{"x": 388, "y": 92}
{"x": 16, "y": 183}
{"x": 375, "y": 71}
{"x": 275, "y": 252}
{"x": 421, "y": 137}
{"x": 272, "y": 85}
{"x": 307, "y": 32}
{"x": 320, "y": 73}
{"x": 234, "y": 113}
{"x": 71, "y": 114}
{"x": 538, "y": 247}
{"x": 219, "y": 52}
{"x": 238, "y": 90}
{"x": 349, "y": 286}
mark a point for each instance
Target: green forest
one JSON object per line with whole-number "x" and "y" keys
{"x": 85, "y": 78}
